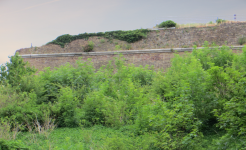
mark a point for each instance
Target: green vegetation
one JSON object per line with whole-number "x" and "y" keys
{"x": 89, "y": 47}
{"x": 220, "y": 21}
{"x": 242, "y": 40}
{"x": 167, "y": 24}
{"x": 117, "y": 47}
{"x": 198, "y": 103}
{"x": 130, "y": 36}
{"x": 128, "y": 46}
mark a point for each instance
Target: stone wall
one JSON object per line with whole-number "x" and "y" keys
{"x": 169, "y": 38}
{"x": 185, "y": 37}
{"x": 158, "y": 60}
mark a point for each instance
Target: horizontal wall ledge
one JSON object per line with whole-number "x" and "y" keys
{"x": 124, "y": 52}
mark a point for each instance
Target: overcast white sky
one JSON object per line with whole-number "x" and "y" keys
{"x": 23, "y": 22}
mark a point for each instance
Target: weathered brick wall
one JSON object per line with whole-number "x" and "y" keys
{"x": 158, "y": 60}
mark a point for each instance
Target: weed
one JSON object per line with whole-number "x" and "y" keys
{"x": 214, "y": 28}
{"x": 128, "y": 46}
{"x": 102, "y": 40}
{"x": 185, "y": 46}
{"x": 89, "y": 47}
{"x": 117, "y": 47}
{"x": 195, "y": 43}
{"x": 220, "y": 21}
{"x": 241, "y": 40}
{"x": 48, "y": 126}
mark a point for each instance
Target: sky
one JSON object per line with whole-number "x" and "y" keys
{"x": 36, "y": 22}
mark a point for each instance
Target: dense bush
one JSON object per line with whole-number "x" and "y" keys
{"x": 10, "y": 145}
{"x": 242, "y": 40}
{"x": 130, "y": 36}
{"x": 167, "y": 24}
{"x": 89, "y": 47}
{"x": 201, "y": 94}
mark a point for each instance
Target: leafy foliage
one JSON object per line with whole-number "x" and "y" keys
{"x": 241, "y": 40}
{"x": 201, "y": 95}
{"x": 167, "y": 24}
{"x": 10, "y": 145}
{"x": 130, "y": 36}
{"x": 220, "y": 21}
{"x": 14, "y": 70}
{"x": 89, "y": 47}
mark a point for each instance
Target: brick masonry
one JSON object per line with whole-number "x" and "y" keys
{"x": 158, "y": 60}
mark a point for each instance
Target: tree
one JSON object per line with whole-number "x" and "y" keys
{"x": 13, "y": 71}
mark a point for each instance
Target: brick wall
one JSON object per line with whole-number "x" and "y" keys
{"x": 158, "y": 60}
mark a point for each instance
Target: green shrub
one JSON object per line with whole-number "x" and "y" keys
{"x": 128, "y": 47}
{"x": 89, "y": 47}
{"x": 11, "y": 145}
{"x": 220, "y": 21}
{"x": 130, "y": 36}
{"x": 66, "y": 109}
{"x": 117, "y": 47}
{"x": 167, "y": 24}
{"x": 186, "y": 79}
{"x": 242, "y": 40}
{"x": 221, "y": 57}
{"x": 80, "y": 78}
{"x": 102, "y": 40}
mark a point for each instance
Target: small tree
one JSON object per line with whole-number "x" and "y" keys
{"x": 13, "y": 71}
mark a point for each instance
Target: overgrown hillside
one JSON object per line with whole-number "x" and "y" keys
{"x": 198, "y": 103}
